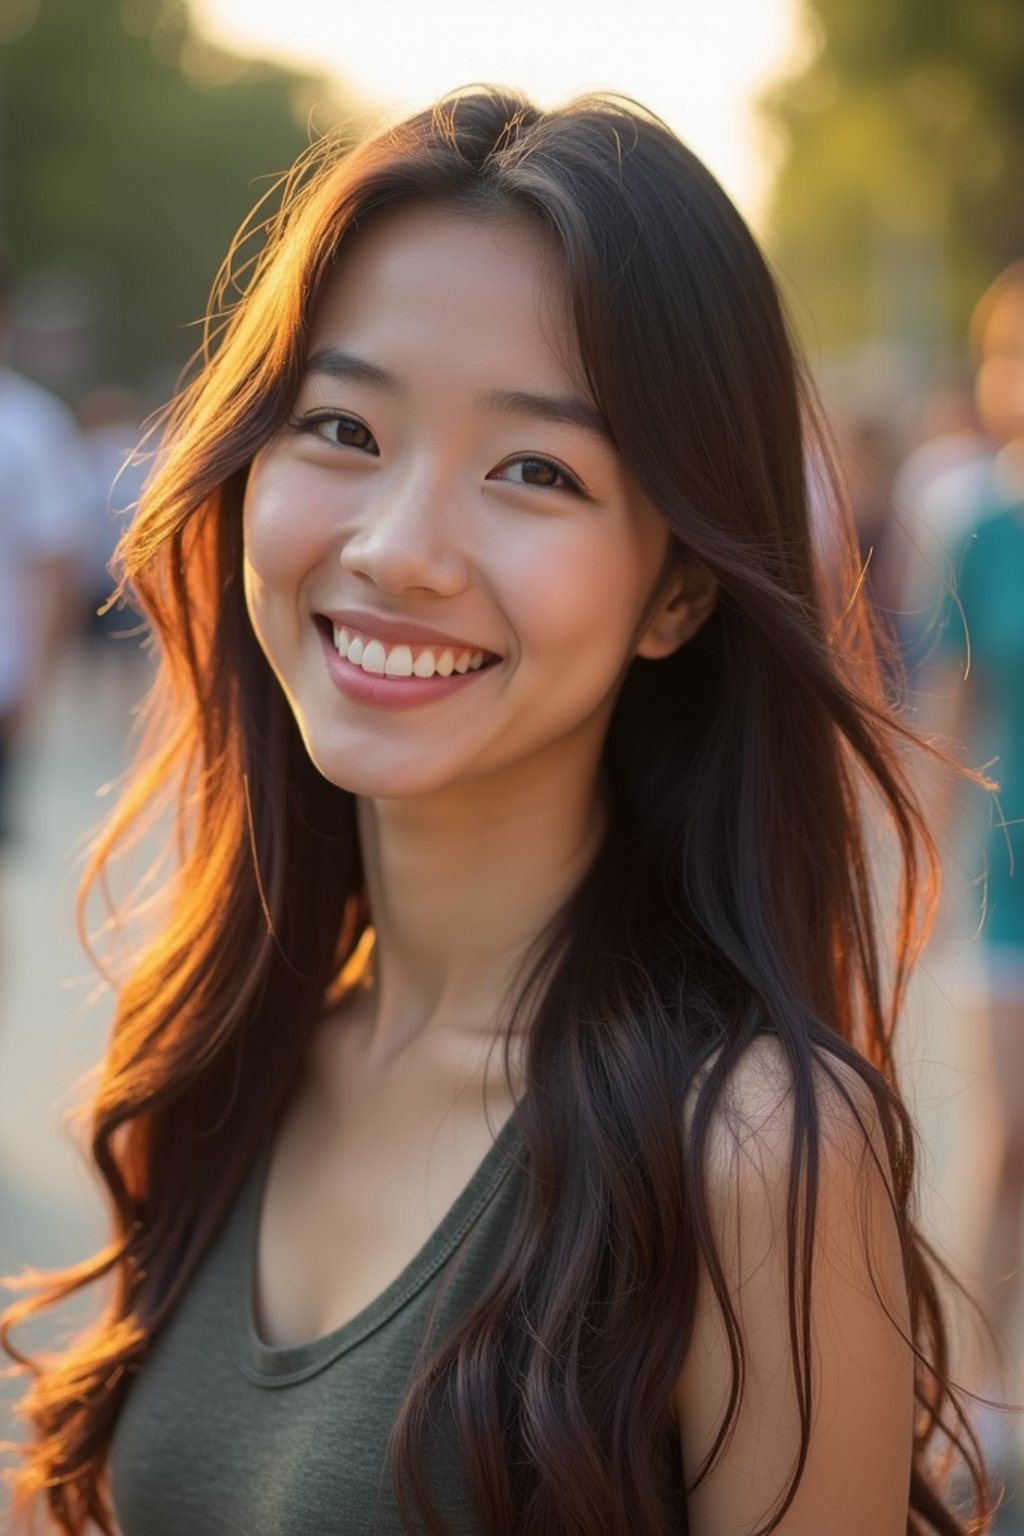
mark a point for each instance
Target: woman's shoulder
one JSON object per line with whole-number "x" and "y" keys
{"x": 829, "y": 1316}
{"x": 763, "y": 1151}
{"x": 761, "y": 1112}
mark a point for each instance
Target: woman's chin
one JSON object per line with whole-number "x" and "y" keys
{"x": 376, "y": 781}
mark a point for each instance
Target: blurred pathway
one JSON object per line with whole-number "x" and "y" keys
{"x": 50, "y": 1034}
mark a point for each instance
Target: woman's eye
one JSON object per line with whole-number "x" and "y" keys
{"x": 345, "y": 431}
{"x": 545, "y": 474}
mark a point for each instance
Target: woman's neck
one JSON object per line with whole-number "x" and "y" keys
{"x": 459, "y": 883}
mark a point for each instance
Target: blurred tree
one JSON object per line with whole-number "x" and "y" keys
{"x": 899, "y": 196}
{"x": 130, "y": 150}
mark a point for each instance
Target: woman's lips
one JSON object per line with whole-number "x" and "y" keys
{"x": 381, "y": 692}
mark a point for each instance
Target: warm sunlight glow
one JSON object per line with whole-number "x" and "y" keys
{"x": 697, "y": 63}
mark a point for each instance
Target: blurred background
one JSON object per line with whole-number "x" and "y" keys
{"x": 877, "y": 149}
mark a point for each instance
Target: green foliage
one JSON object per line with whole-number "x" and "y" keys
{"x": 899, "y": 196}
{"x": 130, "y": 151}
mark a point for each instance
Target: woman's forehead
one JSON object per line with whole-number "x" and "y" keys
{"x": 426, "y": 278}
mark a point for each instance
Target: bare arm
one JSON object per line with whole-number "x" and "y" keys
{"x": 857, "y": 1474}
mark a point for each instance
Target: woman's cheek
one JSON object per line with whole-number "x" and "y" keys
{"x": 277, "y": 558}
{"x": 275, "y": 542}
{"x": 577, "y": 603}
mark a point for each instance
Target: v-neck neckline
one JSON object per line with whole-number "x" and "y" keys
{"x": 271, "y": 1365}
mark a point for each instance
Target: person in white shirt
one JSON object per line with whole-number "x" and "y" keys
{"x": 43, "y": 511}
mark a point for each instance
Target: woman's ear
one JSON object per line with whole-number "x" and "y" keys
{"x": 688, "y": 598}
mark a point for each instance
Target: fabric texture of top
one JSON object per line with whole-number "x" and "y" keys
{"x": 221, "y": 1435}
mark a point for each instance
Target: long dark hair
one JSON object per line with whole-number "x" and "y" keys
{"x": 731, "y": 897}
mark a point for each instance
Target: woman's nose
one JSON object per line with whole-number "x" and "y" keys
{"x": 409, "y": 535}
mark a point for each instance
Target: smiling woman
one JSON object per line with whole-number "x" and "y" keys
{"x": 506, "y": 706}
{"x": 409, "y": 477}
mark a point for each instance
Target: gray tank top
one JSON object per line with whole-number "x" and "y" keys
{"x": 220, "y": 1435}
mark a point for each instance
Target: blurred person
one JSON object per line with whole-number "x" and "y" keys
{"x": 949, "y": 468}
{"x": 872, "y": 458}
{"x": 951, "y": 471}
{"x": 43, "y": 513}
{"x": 506, "y": 713}
{"x": 111, "y": 421}
{"x": 971, "y": 690}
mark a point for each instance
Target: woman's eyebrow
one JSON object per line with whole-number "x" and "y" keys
{"x": 346, "y": 366}
{"x": 569, "y": 410}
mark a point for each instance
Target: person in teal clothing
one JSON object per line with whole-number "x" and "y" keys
{"x": 981, "y": 635}
{"x": 522, "y": 753}
{"x": 971, "y": 685}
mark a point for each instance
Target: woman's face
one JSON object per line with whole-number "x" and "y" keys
{"x": 440, "y": 488}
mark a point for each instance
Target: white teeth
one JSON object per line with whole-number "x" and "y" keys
{"x": 373, "y": 657}
{"x": 399, "y": 662}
